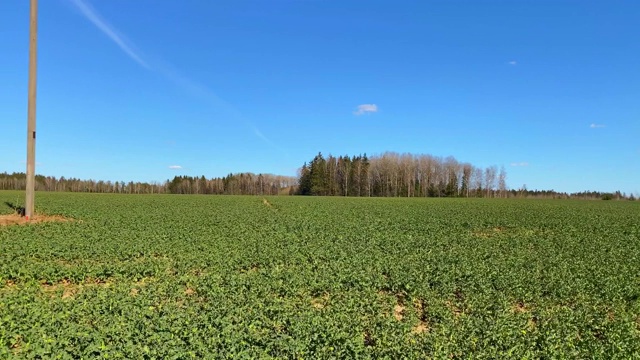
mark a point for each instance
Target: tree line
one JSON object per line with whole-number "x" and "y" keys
{"x": 409, "y": 175}
{"x": 399, "y": 175}
{"x": 387, "y": 175}
{"x": 232, "y": 184}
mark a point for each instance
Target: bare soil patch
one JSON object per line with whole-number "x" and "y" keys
{"x": 189, "y": 291}
{"x": 320, "y": 302}
{"x": 423, "y": 325}
{"x": 398, "y": 312}
{"x": 519, "y": 308}
{"x": 420, "y": 328}
{"x": 70, "y": 289}
{"x": 398, "y": 309}
{"x": 16, "y": 219}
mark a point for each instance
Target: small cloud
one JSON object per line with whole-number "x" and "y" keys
{"x": 520, "y": 164}
{"x": 513, "y": 63}
{"x": 595, "y": 126}
{"x": 366, "y": 109}
{"x": 175, "y": 167}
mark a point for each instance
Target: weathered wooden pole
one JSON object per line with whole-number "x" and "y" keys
{"x": 31, "y": 113}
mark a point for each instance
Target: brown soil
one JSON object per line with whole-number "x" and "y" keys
{"x": 15, "y": 219}
{"x": 421, "y": 309}
{"x": 189, "y": 291}
{"x": 70, "y": 289}
{"x": 398, "y": 312}
{"x": 519, "y": 308}
{"x": 420, "y": 328}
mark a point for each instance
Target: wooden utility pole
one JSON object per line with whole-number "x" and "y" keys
{"x": 31, "y": 112}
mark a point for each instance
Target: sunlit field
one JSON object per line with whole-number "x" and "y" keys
{"x": 179, "y": 276}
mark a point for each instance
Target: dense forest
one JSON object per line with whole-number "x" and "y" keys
{"x": 400, "y": 175}
{"x": 387, "y": 175}
{"x": 408, "y": 175}
{"x": 232, "y": 184}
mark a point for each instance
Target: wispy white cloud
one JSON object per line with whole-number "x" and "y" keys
{"x": 164, "y": 69}
{"x": 366, "y": 109}
{"x": 595, "y": 126}
{"x": 175, "y": 167}
{"x": 513, "y": 63}
{"x": 260, "y": 135}
{"x": 520, "y": 164}
{"x": 110, "y": 31}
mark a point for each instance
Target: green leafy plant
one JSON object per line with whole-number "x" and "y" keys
{"x": 218, "y": 277}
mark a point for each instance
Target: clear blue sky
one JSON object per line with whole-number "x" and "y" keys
{"x": 144, "y": 90}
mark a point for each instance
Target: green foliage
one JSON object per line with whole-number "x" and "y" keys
{"x": 342, "y": 176}
{"x": 180, "y": 277}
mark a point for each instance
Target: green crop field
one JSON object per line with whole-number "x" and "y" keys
{"x": 178, "y": 277}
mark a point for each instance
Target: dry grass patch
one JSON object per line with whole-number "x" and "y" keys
{"x": 320, "y": 302}
{"x": 16, "y": 219}
{"x": 490, "y": 232}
